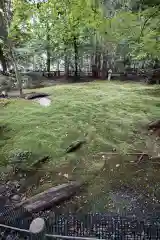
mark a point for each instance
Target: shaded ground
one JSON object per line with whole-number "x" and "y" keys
{"x": 114, "y": 116}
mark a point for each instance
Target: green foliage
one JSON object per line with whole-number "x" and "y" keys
{"x": 119, "y": 28}
{"x": 51, "y": 18}
{"x": 149, "y": 3}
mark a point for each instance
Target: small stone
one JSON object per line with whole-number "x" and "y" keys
{"x": 16, "y": 198}
{"x": 117, "y": 165}
{"x": 66, "y": 175}
{"x": 37, "y": 225}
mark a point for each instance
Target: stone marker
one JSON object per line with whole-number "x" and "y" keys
{"x": 109, "y": 74}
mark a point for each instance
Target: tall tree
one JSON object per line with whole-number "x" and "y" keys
{"x": 8, "y": 43}
{"x": 3, "y": 36}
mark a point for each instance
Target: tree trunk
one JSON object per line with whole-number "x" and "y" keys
{"x": 98, "y": 63}
{"x": 3, "y": 35}
{"x": 104, "y": 67}
{"x": 58, "y": 65}
{"x": 18, "y": 76}
{"x": 58, "y": 70}
{"x": 156, "y": 63}
{"x": 3, "y": 60}
{"x": 66, "y": 63}
{"x": 93, "y": 66}
{"x": 96, "y": 60}
{"x": 34, "y": 63}
{"x": 75, "y": 56}
{"x": 48, "y": 63}
{"x": 91, "y": 63}
{"x": 8, "y": 43}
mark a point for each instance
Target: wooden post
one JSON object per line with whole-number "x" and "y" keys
{"x": 37, "y": 229}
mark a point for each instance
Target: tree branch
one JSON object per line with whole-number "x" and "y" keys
{"x": 145, "y": 23}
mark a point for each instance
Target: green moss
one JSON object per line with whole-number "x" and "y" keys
{"x": 114, "y": 115}
{"x": 109, "y": 112}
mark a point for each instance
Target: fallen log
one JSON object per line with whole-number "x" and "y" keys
{"x": 50, "y": 197}
{"x": 154, "y": 125}
{"x": 35, "y": 95}
{"x": 75, "y": 146}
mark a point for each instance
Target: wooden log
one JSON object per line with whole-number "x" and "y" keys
{"x": 75, "y": 146}
{"x": 50, "y": 197}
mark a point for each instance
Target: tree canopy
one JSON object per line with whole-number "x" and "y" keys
{"x": 109, "y": 31}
